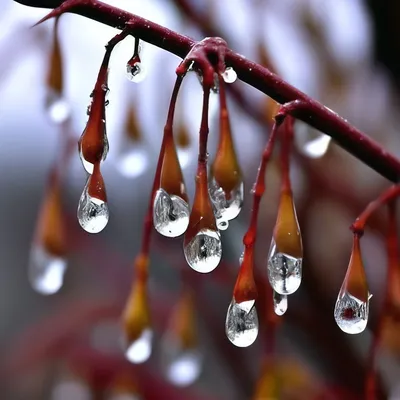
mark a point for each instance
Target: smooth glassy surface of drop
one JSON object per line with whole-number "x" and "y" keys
{"x": 229, "y": 75}
{"x": 45, "y": 271}
{"x": 87, "y": 165}
{"x": 71, "y": 389}
{"x": 139, "y": 350}
{"x": 317, "y": 147}
{"x": 135, "y": 72}
{"x": 284, "y": 271}
{"x": 225, "y": 209}
{"x": 93, "y": 213}
{"x": 280, "y": 303}
{"x": 170, "y": 214}
{"x": 204, "y": 251}
{"x": 351, "y": 314}
{"x": 241, "y": 326}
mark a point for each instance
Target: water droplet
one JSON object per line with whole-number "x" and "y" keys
{"x": 57, "y": 107}
{"x": 93, "y": 212}
{"x": 203, "y": 253}
{"x": 229, "y": 75}
{"x": 284, "y": 271}
{"x": 317, "y": 147}
{"x": 351, "y": 314}
{"x": 241, "y": 324}
{"x": 280, "y": 303}
{"x": 139, "y": 350}
{"x": 71, "y": 389}
{"x": 135, "y": 71}
{"x": 170, "y": 214}
{"x": 225, "y": 209}
{"x": 45, "y": 271}
{"x": 133, "y": 161}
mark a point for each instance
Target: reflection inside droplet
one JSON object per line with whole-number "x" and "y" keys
{"x": 45, "y": 271}
{"x": 280, "y": 303}
{"x": 229, "y": 75}
{"x": 72, "y": 389}
{"x": 136, "y": 72}
{"x": 139, "y": 350}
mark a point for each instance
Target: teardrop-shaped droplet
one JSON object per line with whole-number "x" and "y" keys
{"x": 135, "y": 71}
{"x": 317, "y": 147}
{"x": 170, "y": 214}
{"x": 229, "y": 75}
{"x": 93, "y": 211}
{"x": 352, "y": 304}
{"x": 57, "y": 107}
{"x": 203, "y": 253}
{"x": 241, "y": 326}
{"x": 139, "y": 350}
{"x": 280, "y": 303}
{"x": 286, "y": 251}
{"x": 71, "y": 389}
{"x": 46, "y": 271}
{"x": 225, "y": 209}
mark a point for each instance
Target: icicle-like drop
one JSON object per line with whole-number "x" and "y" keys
{"x": 138, "y": 334}
{"x": 93, "y": 143}
{"x": 181, "y": 358}
{"x": 171, "y": 208}
{"x": 226, "y": 183}
{"x": 47, "y": 262}
{"x": 286, "y": 251}
{"x": 352, "y": 304}
{"x": 202, "y": 241}
{"x": 93, "y": 211}
{"x": 280, "y": 303}
{"x": 241, "y": 324}
{"x": 135, "y": 70}
{"x": 229, "y": 75}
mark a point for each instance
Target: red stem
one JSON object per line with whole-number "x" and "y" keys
{"x": 286, "y": 147}
{"x": 204, "y": 126}
{"x": 303, "y": 107}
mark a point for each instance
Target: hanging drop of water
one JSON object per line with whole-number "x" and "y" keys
{"x": 203, "y": 253}
{"x": 135, "y": 71}
{"x": 45, "y": 271}
{"x": 351, "y": 313}
{"x": 317, "y": 147}
{"x": 280, "y": 303}
{"x": 57, "y": 107}
{"x": 93, "y": 211}
{"x": 138, "y": 351}
{"x": 284, "y": 271}
{"x": 241, "y": 326}
{"x": 225, "y": 209}
{"x": 170, "y": 214}
{"x": 229, "y": 75}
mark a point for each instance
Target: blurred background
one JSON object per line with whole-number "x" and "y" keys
{"x": 67, "y": 345}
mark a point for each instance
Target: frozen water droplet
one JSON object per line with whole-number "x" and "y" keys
{"x": 170, "y": 214}
{"x": 135, "y": 72}
{"x": 241, "y": 324}
{"x": 88, "y": 166}
{"x": 225, "y": 210}
{"x": 139, "y": 350}
{"x": 229, "y": 75}
{"x": 280, "y": 303}
{"x": 71, "y": 389}
{"x": 351, "y": 313}
{"x": 204, "y": 251}
{"x": 57, "y": 107}
{"x": 45, "y": 271}
{"x": 93, "y": 213}
{"x": 284, "y": 271}
{"x": 182, "y": 366}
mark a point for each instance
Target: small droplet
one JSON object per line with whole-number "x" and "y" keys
{"x": 57, "y": 107}
{"x": 139, "y": 350}
{"x": 203, "y": 253}
{"x": 135, "y": 71}
{"x": 170, "y": 214}
{"x": 284, "y": 271}
{"x": 93, "y": 211}
{"x": 351, "y": 314}
{"x": 229, "y": 75}
{"x": 225, "y": 209}
{"x": 241, "y": 324}
{"x": 45, "y": 271}
{"x": 317, "y": 147}
{"x": 280, "y": 303}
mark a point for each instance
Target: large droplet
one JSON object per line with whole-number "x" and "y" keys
{"x": 181, "y": 357}
{"x": 170, "y": 214}
{"x": 171, "y": 208}
{"x": 241, "y": 326}
{"x": 136, "y": 318}
{"x": 93, "y": 211}
{"x": 135, "y": 71}
{"x": 286, "y": 251}
{"x": 280, "y": 303}
{"x": 352, "y": 304}
{"x": 229, "y": 75}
